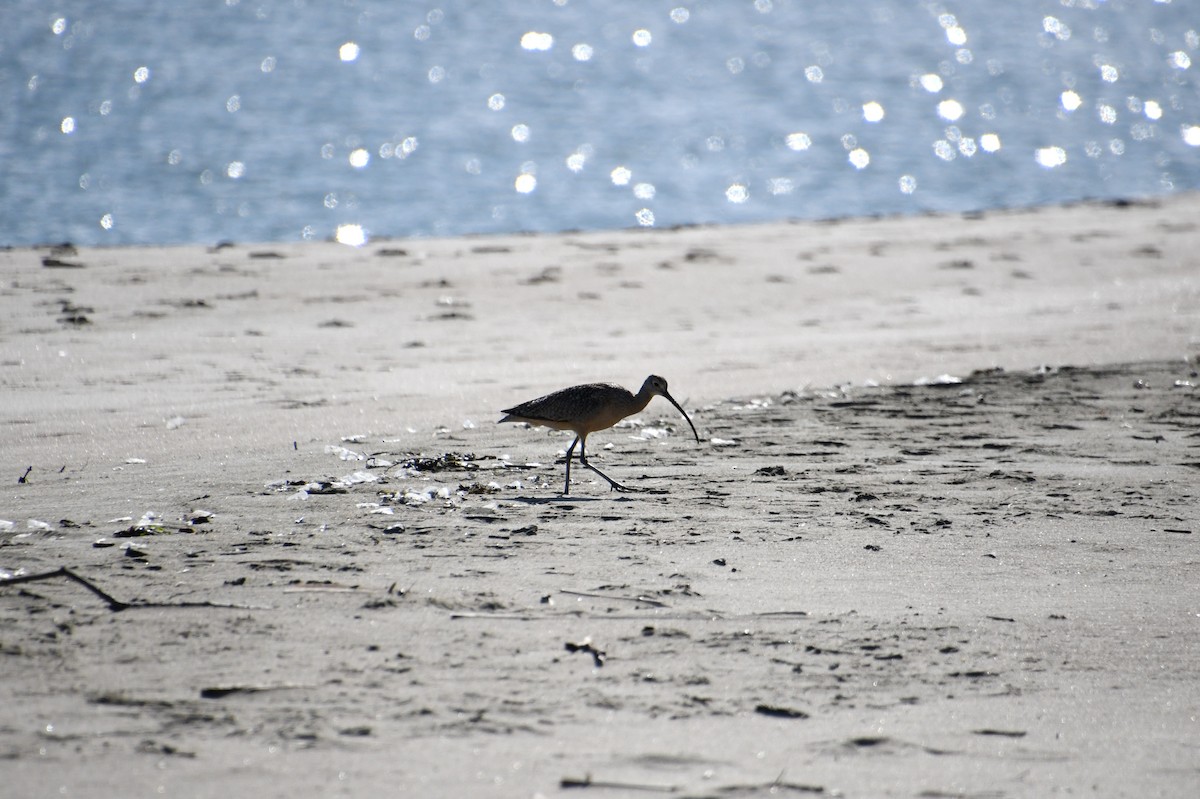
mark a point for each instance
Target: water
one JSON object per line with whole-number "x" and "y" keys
{"x": 130, "y": 122}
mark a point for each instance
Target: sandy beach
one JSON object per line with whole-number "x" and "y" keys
{"x": 939, "y": 538}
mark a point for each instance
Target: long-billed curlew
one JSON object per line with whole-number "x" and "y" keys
{"x": 588, "y": 408}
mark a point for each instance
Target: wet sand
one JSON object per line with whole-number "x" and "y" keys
{"x": 939, "y": 538}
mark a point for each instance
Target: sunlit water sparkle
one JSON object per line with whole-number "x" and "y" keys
{"x": 128, "y": 122}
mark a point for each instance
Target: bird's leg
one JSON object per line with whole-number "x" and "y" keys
{"x": 613, "y": 484}
{"x": 570, "y": 449}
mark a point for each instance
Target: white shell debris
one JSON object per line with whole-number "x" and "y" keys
{"x": 343, "y": 453}
{"x": 355, "y": 478}
{"x": 940, "y": 380}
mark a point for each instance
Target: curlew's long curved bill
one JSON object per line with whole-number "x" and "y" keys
{"x": 671, "y": 400}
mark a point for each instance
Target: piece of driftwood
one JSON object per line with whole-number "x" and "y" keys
{"x": 641, "y": 600}
{"x": 114, "y": 604}
{"x": 587, "y": 782}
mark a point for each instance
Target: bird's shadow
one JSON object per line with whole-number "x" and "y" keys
{"x": 559, "y": 499}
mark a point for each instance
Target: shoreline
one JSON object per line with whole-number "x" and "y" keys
{"x": 1125, "y": 201}
{"x": 1131, "y": 202}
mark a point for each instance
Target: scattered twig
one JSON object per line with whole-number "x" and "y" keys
{"x": 1001, "y": 733}
{"x": 774, "y": 788}
{"x": 115, "y": 604}
{"x": 588, "y": 782}
{"x": 493, "y": 616}
{"x": 780, "y": 712}
{"x": 22, "y": 478}
{"x": 598, "y": 656}
{"x": 57, "y": 263}
{"x": 222, "y": 691}
{"x": 641, "y": 600}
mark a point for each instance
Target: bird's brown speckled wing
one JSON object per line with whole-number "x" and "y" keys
{"x": 573, "y": 404}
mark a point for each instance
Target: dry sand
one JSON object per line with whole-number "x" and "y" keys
{"x": 870, "y": 580}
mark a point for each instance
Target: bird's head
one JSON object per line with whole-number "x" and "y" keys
{"x": 658, "y": 385}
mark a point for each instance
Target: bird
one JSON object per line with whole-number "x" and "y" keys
{"x": 587, "y": 408}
